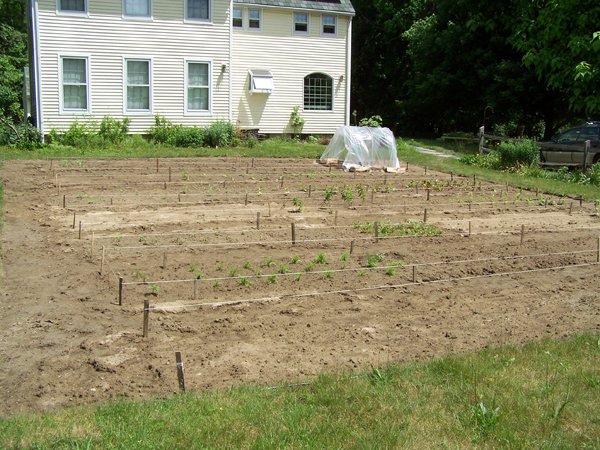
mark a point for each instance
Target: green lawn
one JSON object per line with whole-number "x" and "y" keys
{"x": 543, "y": 395}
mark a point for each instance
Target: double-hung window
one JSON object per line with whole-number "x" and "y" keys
{"x": 72, "y": 6}
{"x": 254, "y": 19}
{"x": 138, "y": 85}
{"x": 318, "y": 92}
{"x": 75, "y": 84}
{"x": 197, "y": 86}
{"x": 197, "y": 10}
{"x": 328, "y": 24}
{"x": 300, "y": 22}
{"x": 137, "y": 8}
{"x": 237, "y": 19}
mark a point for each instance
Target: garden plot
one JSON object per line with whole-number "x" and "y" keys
{"x": 267, "y": 271}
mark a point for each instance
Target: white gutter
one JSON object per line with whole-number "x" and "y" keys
{"x": 296, "y": 8}
{"x": 35, "y": 60}
{"x": 230, "y": 71}
{"x": 348, "y": 70}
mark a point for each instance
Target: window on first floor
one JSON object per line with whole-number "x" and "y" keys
{"x": 237, "y": 18}
{"x": 254, "y": 19}
{"x": 72, "y": 6}
{"x": 301, "y": 22}
{"x": 198, "y": 86}
{"x": 318, "y": 92}
{"x": 138, "y": 81}
{"x": 75, "y": 84}
{"x": 197, "y": 10}
{"x": 137, "y": 8}
{"x": 328, "y": 24}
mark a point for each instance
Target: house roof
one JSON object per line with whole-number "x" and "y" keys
{"x": 339, "y": 6}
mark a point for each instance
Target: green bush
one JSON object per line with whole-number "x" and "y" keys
{"x": 518, "y": 153}
{"x": 114, "y": 130}
{"x": 219, "y": 134}
{"x": 187, "y": 136}
{"x": 78, "y": 135}
{"x": 24, "y": 135}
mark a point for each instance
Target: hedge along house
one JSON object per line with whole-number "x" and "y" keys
{"x": 192, "y": 61}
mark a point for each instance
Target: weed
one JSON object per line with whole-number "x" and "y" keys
{"x": 298, "y": 277}
{"x": 344, "y": 256}
{"x": 283, "y": 269}
{"x": 216, "y": 284}
{"x": 154, "y": 289}
{"x": 328, "y": 194}
{"x": 234, "y": 271}
{"x": 374, "y": 260}
{"x": 272, "y": 279}
{"x": 298, "y": 203}
{"x": 328, "y": 274}
{"x": 347, "y": 195}
{"x": 294, "y": 259}
{"x": 320, "y": 259}
{"x": 220, "y": 267}
{"x": 268, "y": 262}
{"x": 247, "y": 265}
{"x": 244, "y": 281}
{"x": 486, "y": 418}
{"x": 390, "y": 271}
{"x": 309, "y": 267}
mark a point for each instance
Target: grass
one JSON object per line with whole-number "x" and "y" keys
{"x": 542, "y": 395}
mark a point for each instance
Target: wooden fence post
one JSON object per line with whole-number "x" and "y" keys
{"x": 586, "y": 151}
{"x": 481, "y": 139}
{"x": 293, "y": 233}
{"x": 258, "y": 220}
{"x": 180, "y": 375}
{"x": 146, "y": 317}
{"x": 120, "y": 291}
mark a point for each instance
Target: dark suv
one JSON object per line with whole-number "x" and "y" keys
{"x": 567, "y": 148}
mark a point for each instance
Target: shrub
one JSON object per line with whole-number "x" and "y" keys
{"x": 22, "y": 135}
{"x": 187, "y": 136}
{"x": 373, "y": 121}
{"x": 219, "y": 134}
{"x": 114, "y": 130}
{"x": 78, "y": 135}
{"x": 517, "y": 153}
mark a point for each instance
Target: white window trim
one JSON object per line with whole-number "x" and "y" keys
{"x": 62, "y": 110}
{"x": 241, "y": 9}
{"x": 84, "y": 13}
{"x": 142, "y": 18}
{"x": 200, "y": 21}
{"x": 320, "y": 111}
{"x": 266, "y": 74}
{"x": 141, "y": 112}
{"x": 260, "y": 12}
{"x": 186, "y": 111}
{"x": 301, "y": 33}
{"x": 323, "y": 25}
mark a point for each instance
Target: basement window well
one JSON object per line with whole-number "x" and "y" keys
{"x": 261, "y": 81}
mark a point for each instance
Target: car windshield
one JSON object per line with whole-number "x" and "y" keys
{"x": 578, "y": 135}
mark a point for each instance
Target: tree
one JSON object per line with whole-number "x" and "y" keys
{"x": 13, "y": 58}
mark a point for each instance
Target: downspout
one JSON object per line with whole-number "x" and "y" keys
{"x": 34, "y": 66}
{"x": 348, "y": 69}
{"x": 230, "y": 60}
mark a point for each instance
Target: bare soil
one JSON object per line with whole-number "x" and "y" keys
{"x": 264, "y": 310}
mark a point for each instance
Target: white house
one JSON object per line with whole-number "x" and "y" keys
{"x": 192, "y": 61}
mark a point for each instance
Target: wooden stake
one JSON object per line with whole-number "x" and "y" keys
{"x": 598, "y": 250}
{"x": 474, "y": 180}
{"x": 469, "y": 228}
{"x": 281, "y": 184}
{"x": 165, "y": 185}
{"x": 425, "y": 170}
{"x": 64, "y": 201}
{"x": 352, "y": 246}
{"x": 111, "y": 201}
{"x": 309, "y": 190}
{"x": 414, "y": 278}
{"x": 195, "y": 288}
{"x": 156, "y": 165}
{"x": 246, "y": 200}
{"x": 425, "y": 216}
{"x": 80, "y": 226}
{"x": 258, "y": 220}
{"x": 269, "y": 203}
{"x": 376, "y": 231}
{"x": 120, "y": 291}
{"x": 146, "y": 317}
{"x": 169, "y": 174}
{"x": 102, "y": 260}
{"x": 571, "y": 208}
{"x": 180, "y": 375}
{"x": 407, "y": 166}
{"x": 178, "y": 198}
{"x": 74, "y": 215}
{"x": 164, "y": 264}
{"x": 293, "y": 234}
{"x": 428, "y": 194}
{"x": 580, "y": 200}
{"x": 522, "y": 234}
{"x": 253, "y": 163}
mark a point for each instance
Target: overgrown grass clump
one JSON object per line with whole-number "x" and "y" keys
{"x": 391, "y": 229}
{"x": 543, "y": 395}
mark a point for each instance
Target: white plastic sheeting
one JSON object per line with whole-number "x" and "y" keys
{"x": 362, "y": 148}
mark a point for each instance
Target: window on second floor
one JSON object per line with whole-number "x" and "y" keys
{"x": 197, "y": 10}
{"x": 254, "y": 19}
{"x": 300, "y": 22}
{"x": 137, "y": 8}
{"x": 72, "y": 6}
{"x": 328, "y": 24}
{"x": 237, "y": 18}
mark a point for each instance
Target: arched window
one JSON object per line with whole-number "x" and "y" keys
{"x": 318, "y": 92}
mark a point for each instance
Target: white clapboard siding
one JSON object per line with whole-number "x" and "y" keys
{"x": 106, "y": 38}
{"x": 289, "y": 57}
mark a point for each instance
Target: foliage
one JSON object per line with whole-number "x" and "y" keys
{"x": 113, "y": 130}
{"x": 373, "y": 121}
{"x": 408, "y": 228}
{"x": 296, "y": 120}
{"x": 517, "y": 153}
{"x": 217, "y": 134}
{"x": 13, "y": 58}
{"x": 23, "y": 135}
